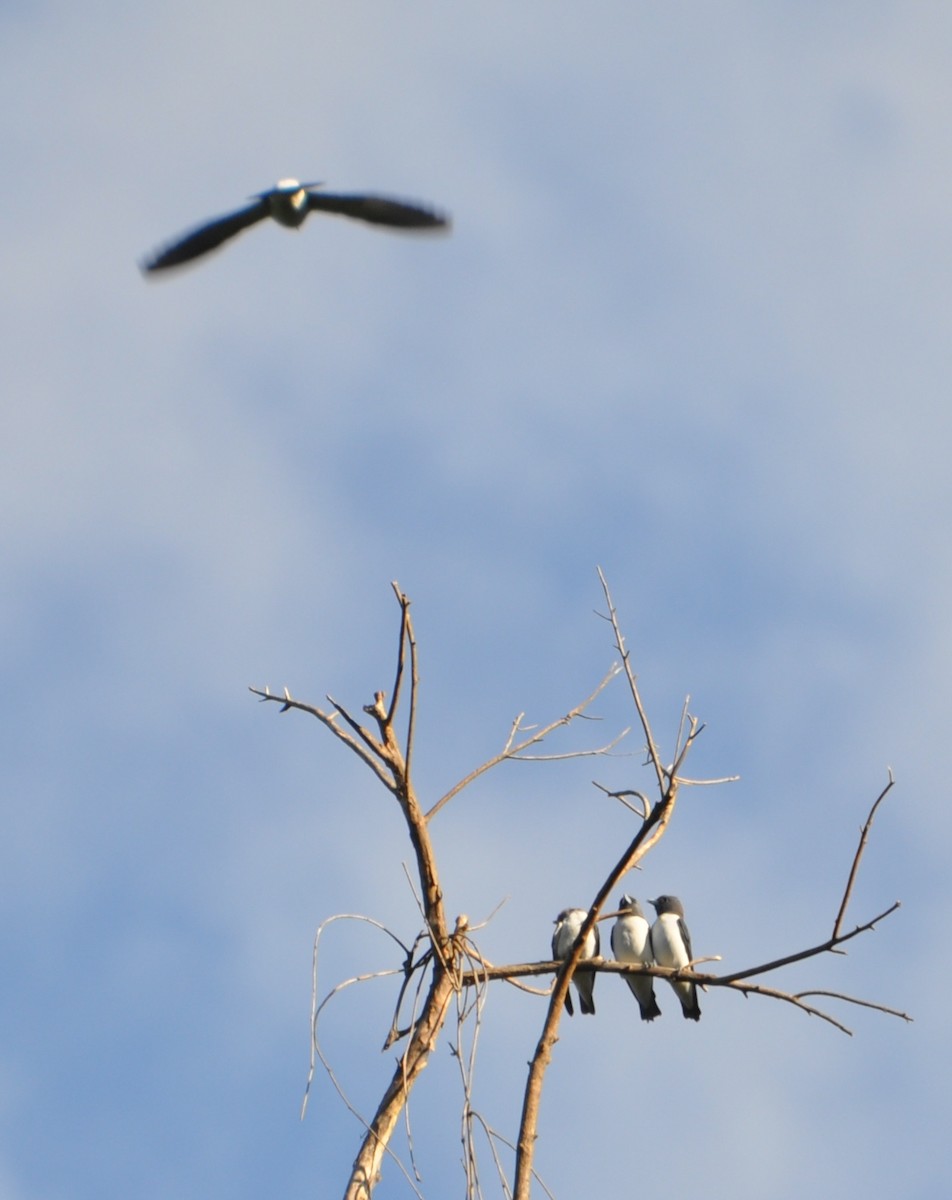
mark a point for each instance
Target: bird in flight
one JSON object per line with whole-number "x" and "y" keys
{"x": 289, "y": 203}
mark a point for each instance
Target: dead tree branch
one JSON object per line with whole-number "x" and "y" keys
{"x": 654, "y": 825}
{"x": 379, "y": 748}
{"x": 863, "y": 839}
{"x": 444, "y": 966}
{"x": 513, "y": 751}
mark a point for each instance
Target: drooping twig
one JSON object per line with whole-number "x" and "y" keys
{"x": 317, "y": 1051}
{"x": 315, "y": 1006}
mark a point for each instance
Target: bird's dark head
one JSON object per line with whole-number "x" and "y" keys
{"x": 667, "y": 904}
{"x": 629, "y": 904}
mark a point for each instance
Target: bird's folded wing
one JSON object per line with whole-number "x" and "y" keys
{"x": 206, "y": 237}
{"x": 685, "y": 937}
{"x": 378, "y": 210}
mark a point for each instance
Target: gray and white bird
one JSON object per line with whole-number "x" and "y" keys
{"x": 289, "y": 203}
{"x": 671, "y": 947}
{"x": 630, "y": 944}
{"x": 568, "y": 925}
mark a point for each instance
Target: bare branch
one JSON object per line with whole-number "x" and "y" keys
{"x": 317, "y": 1050}
{"x": 612, "y": 617}
{"x": 651, "y": 831}
{"x": 364, "y": 734}
{"x": 863, "y": 839}
{"x": 599, "y": 750}
{"x": 684, "y": 782}
{"x": 329, "y": 721}
{"x": 510, "y": 751}
{"x": 315, "y": 1007}
{"x": 404, "y": 603}
{"x": 755, "y": 989}
{"x": 682, "y": 748}
{"x": 645, "y": 803}
{"x": 493, "y": 1136}
{"x": 680, "y": 740}
{"x": 366, "y": 1168}
{"x": 883, "y": 1008}
{"x": 414, "y": 689}
{"x": 443, "y": 966}
{"x": 830, "y": 944}
{"x": 512, "y": 972}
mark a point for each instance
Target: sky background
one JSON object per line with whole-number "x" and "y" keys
{"x": 693, "y": 326}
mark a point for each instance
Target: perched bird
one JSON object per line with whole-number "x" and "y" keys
{"x": 288, "y": 203}
{"x": 671, "y": 947}
{"x": 567, "y": 927}
{"x": 630, "y": 945}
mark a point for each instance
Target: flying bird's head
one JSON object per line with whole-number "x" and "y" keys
{"x": 288, "y": 187}
{"x": 287, "y": 201}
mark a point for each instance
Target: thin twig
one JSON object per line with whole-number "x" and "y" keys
{"x": 599, "y": 750}
{"x": 329, "y": 1070}
{"x": 653, "y": 754}
{"x": 315, "y": 1008}
{"x": 398, "y": 678}
{"x": 329, "y": 721}
{"x": 863, "y": 839}
{"x": 414, "y": 691}
{"x": 883, "y": 1008}
{"x": 510, "y": 752}
{"x": 621, "y": 796}
{"x": 363, "y": 733}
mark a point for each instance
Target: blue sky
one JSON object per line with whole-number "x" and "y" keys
{"x": 692, "y": 325}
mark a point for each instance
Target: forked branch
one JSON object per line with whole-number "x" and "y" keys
{"x": 390, "y": 761}
{"x": 449, "y": 965}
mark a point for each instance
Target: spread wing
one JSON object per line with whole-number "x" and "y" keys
{"x": 207, "y": 237}
{"x": 378, "y": 210}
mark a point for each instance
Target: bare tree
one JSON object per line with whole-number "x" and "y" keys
{"x": 443, "y": 971}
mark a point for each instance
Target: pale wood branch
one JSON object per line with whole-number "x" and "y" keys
{"x": 365, "y": 1172}
{"x": 612, "y": 617}
{"x": 829, "y": 945}
{"x": 328, "y": 720}
{"x": 510, "y": 751}
{"x": 450, "y": 965}
{"x": 651, "y": 831}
